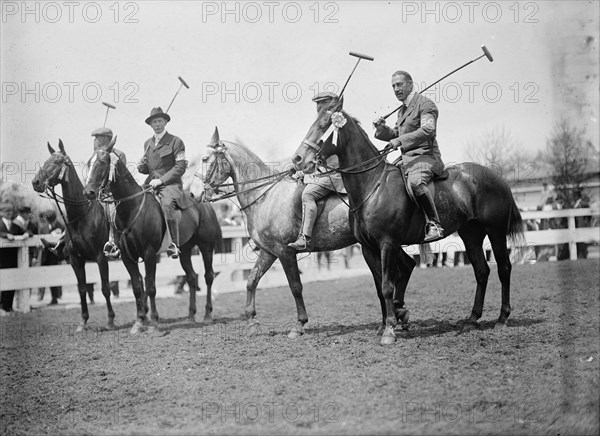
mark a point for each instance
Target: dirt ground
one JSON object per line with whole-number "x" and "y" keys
{"x": 538, "y": 376}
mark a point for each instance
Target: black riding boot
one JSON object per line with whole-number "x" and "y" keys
{"x": 309, "y": 216}
{"x": 173, "y": 249}
{"x": 434, "y": 230}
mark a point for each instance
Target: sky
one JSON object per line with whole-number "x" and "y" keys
{"x": 253, "y": 67}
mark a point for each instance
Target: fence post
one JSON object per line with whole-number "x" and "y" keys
{"x": 572, "y": 243}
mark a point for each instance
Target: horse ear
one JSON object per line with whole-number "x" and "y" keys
{"x": 61, "y": 147}
{"x": 50, "y": 149}
{"x": 215, "y": 137}
{"x": 112, "y": 144}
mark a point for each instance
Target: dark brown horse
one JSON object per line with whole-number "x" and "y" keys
{"x": 473, "y": 200}
{"x": 86, "y": 223}
{"x": 272, "y": 218}
{"x": 141, "y": 224}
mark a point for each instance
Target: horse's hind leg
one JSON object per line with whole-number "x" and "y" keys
{"x": 473, "y": 238}
{"x": 103, "y": 267}
{"x": 263, "y": 263}
{"x": 504, "y": 269}
{"x": 209, "y": 278}
{"x": 406, "y": 265}
{"x": 185, "y": 259}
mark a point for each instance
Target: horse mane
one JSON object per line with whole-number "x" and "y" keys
{"x": 361, "y": 130}
{"x": 249, "y": 156}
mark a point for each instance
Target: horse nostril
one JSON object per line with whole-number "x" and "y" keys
{"x": 297, "y": 159}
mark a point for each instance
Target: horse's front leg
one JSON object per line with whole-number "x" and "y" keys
{"x": 138, "y": 292}
{"x": 405, "y": 265}
{"x": 209, "y": 278}
{"x": 103, "y": 268}
{"x": 373, "y": 260}
{"x": 290, "y": 266}
{"x": 389, "y": 279}
{"x": 78, "y": 266}
{"x": 150, "y": 279}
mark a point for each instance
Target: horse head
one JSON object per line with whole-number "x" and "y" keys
{"x": 54, "y": 170}
{"x": 217, "y": 165}
{"x": 318, "y": 143}
{"x": 101, "y": 172}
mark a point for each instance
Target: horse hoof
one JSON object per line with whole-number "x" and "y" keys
{"x": 208, "y": 320}
{"x": 380, "y": 329}
{"x": 252, "y": 329}
{"x": 137, "y": 328}
{"x": 500, "y": 325}
{"x": 470, "y": 326}
{"x": 80, "y": 328}
{"x": 295, "y": 333}
{"x": 403, "y": 316}
{"x": 388, "y": 337}
{"x": 192, "y": 319}
{"x": 110, "y": 325}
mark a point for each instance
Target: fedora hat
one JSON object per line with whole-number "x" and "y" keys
{"x": 157, "y": 112}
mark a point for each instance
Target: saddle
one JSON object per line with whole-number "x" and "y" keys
{"x": 436, "y": 178}
{"x": 297, "y": 201}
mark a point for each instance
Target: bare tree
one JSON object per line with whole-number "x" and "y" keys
{"x": 497, "y": 149}
{"x": 569, "y": 156}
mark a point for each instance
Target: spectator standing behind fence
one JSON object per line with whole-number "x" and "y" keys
{"x": 49, "y": 224}
{"x": 8, "y": 256}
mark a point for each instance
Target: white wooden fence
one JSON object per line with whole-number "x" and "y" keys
{"x": 233, "y": 266}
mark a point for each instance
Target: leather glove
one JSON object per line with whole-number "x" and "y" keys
{"x": 394, "y": 144}
{"x": 379, "y": 122}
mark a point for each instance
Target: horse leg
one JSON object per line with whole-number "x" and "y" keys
{"x": 374, "y": 263}
{"x": 498, "y": 241}
{"x": 78, "y": 266}
{"x": 405, "y": 268}
{"x": 150, "y": 279}
{"x": 185, "y": 259}
{"x": 103, "y": 267}
{"x": 138, "y": 292}
{"x": 290, "y": 266}
{"x": 209, "y": 278}
{"x": 389, "y": 278}
{"x": 263, "y": 263}
{"x": 473, "y": 239}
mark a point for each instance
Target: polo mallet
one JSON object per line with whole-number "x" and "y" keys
{"x": 183, "y": 83}
{"x": 486, "y": 53}
{"x": 360, "y": 57}
{"x": 108, "y": 107}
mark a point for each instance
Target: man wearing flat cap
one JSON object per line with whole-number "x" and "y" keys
{"x": 102, "y": 138}
{"x": 165, "y": 163}
{"x": 317, "y": 187}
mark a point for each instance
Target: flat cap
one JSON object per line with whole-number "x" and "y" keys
{"x": 6, "y": 206}
{"x": 102, "y": 131}
{"x": 325, "y": 95}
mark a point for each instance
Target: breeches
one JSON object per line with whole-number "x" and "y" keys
{"x": 419, "y": 175}
{"x": 312, "y": 193}
{"x": 169, "y": 205}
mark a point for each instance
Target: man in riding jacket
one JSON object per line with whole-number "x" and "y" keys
{"x": 414, "y": 134}
{"x": 165, "y": 163}
{"x": 317, "y": 187}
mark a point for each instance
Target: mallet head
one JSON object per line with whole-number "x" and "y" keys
{"x": 183, "y": 82}
{"x": 487, "y": 53}
{"x": 361, "y": 56}
{"x": 109, "y": 105}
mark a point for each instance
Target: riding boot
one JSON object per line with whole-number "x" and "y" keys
{"x": 434, "y": 230}
{"x": 173, "y": 249}
{"x": 309, "y": 216}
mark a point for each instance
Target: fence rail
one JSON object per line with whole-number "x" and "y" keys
{"x": 232, "y": 266}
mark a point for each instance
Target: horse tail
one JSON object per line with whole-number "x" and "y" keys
{"x": 218, "y": 235}
{"x": 515, "y": 229}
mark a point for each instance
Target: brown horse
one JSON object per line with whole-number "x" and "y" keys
{"x": 141, "y": 224}
{"x": 86, "y": 225}
{"x": 473, "y": 200}
{"x": 272, "y": 218}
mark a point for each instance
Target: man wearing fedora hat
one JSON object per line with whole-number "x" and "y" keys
{"x": 317, "y": 187}
{"x": 165, "y": 163}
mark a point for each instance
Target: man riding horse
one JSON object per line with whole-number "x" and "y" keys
{"x": 165, "y": 163}
{"x": 317, "y": 187}
{"x": 415, "y": 135}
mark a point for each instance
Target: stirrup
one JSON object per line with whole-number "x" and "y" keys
{"x": 434, "y": 232}
{"x": 173, "y": 251}
{"x": 111, "y": 250}
{"x": 302, "y": 243}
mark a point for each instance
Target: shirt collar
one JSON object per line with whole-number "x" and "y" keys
{"x": 409, "y": 98}
{"x": 157, "y": 138}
